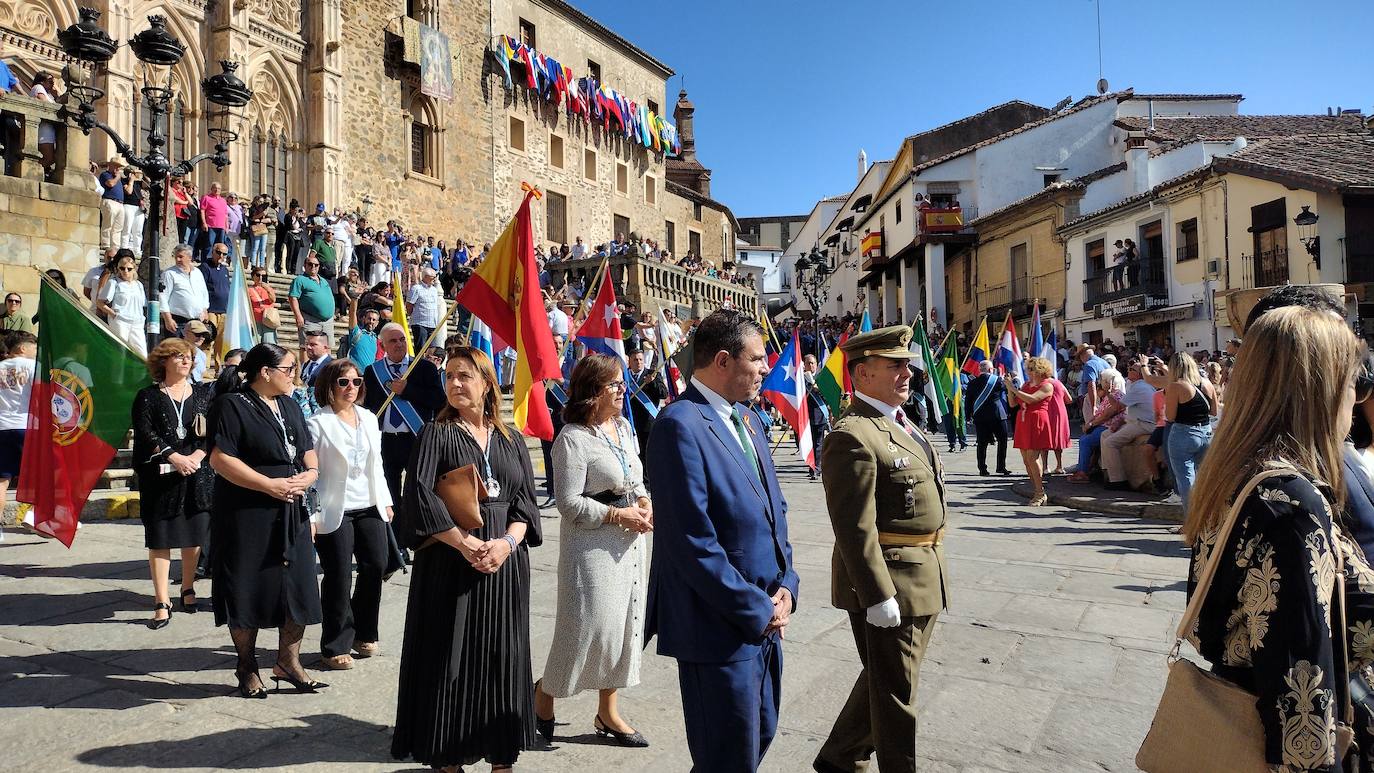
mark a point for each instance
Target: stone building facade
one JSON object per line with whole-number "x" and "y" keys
{"x": 338, "y": 115}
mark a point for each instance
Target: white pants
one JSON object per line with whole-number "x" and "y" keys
{"x": 130, "y": 333}
{"x": 112, "y": 234}
{"x": 133, "y": 227}
{"x": 379, "y": 273}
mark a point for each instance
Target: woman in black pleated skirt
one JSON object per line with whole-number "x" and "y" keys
{"x": 466, "y": 688}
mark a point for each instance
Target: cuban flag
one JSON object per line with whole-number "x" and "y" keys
{"x": 239, "y": 328}
{"x": 480, "y": 337}
{"x": 601, "y": 330}
{"x": 1007, "y": 358}
{"x": 786, "y": 389}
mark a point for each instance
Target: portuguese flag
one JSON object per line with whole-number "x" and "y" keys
{"x": 79, "y": 412}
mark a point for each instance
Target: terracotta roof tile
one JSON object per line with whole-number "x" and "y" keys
{"x": 1227, "y": 127}
{"x": 1334, "y": 162}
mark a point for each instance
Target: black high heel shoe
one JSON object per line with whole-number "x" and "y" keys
{"x": 544, "y": 726}
{"x": 192, "y": 607}
{"x": 632, "y": 739}
{"x": 157, "y": 625}
{"x": 258, "y": 692}
{"x": 301, "y": 685}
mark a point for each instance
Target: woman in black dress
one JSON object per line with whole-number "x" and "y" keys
{"x": 466, "y": 691}
{"x": 264, "y": 561}
{"x": 174, "y": 482}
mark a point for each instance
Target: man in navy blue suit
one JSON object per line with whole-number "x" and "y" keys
{"x": 985, "y": 399}
{"x": 721, "y": 584}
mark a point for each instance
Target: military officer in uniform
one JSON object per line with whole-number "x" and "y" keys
{"x": 885, "y": 492}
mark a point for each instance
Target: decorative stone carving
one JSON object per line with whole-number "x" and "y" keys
{"x": 28, "y": 18}
{"x": 266, "y": 110}
{"x": 285, "y": 14}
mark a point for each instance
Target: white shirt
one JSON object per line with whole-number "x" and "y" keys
{"x": 577, "y": 251}
{"x": 890, "y": 411}
{"x": 16, "y": 382}
{"x": 426, "y": 300}
{"x": 183, "y": 294}
{"x": 127, "y": 298}
{"x": 558, "y": 322}
{"x": 91, "y": 281}
{"x": 721, "y": 406}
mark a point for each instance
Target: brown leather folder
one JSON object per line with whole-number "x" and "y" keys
{"x": 461, "y": 490}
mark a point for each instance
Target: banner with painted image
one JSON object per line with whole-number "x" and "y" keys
{"x": 436, "y": 64}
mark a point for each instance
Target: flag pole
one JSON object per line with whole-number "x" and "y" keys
{"x": 981, "y": 325}
{"x": 415, "y": 360}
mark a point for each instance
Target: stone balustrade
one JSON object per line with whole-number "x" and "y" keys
{"x": 650, "y": 284}
{"x": 48, "y": 218}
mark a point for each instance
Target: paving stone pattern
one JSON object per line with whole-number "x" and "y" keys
{"x": 1051, "y": 657}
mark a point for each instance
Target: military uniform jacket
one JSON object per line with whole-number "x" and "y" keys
{"x": 878, "y": 478}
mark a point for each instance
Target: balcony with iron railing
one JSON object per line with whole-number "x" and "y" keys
{"x": 1359, "y": 268}
{"x": 1104, "y": 286}
{"x": 650, "y": 284}
{"x": 1187, "y": 252}
{"x": 1265, "y": 269}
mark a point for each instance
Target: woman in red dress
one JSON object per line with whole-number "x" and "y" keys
{"x": 1059, "y": 424}
{"x": 1035, "y": 432}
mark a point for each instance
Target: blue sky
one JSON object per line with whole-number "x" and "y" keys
{"x": 788, "y": 92}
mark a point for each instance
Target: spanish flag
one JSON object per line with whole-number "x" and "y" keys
{"x": 504, "y": 293}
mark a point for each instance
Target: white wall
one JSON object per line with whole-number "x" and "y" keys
{"x": 1141, "y": 107}
{"x": 1080, "y": 143}
{"x": 767, "y": 263}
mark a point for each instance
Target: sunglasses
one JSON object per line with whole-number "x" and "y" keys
{"x": 347, "y": 382}
{"x": 310, "y": 263}
{"x": 126, "y": 268}
{"x": 14, "y": 300}
{"x": 286, "y": 369}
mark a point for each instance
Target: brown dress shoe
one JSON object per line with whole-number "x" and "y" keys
{"x": 338, "y": 662}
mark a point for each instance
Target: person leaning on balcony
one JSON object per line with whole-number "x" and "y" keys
{"x": 1118, "y": 266}
{"x": 174, "y": 482}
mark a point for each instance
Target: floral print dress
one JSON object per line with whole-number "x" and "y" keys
{"x": 1267, "y": 622}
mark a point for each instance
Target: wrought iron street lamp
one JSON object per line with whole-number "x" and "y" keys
{"x": 85, "y": 41}
{"x": 1306, "y": 221}
{"x": 813, "y": 277}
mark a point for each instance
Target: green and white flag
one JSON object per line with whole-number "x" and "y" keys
{"x": 925, "y": 362}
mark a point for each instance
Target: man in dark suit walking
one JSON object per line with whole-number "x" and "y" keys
{"x": 721, "y": 584}
{"x": 649, "y": 383}
{"x": 418, "y": 397}
{"x": 985, "y": 400}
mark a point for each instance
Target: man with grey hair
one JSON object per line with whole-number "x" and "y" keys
{"x": 423, "y": 306}
{"x": 419, "y": 396}
{"x": 985, "y": 400}
{"x": 184, "y": 295}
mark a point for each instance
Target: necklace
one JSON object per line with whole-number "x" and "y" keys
{"x": 620, "y": 455}
{"x": 179, "y": 406}
{"x": 281, "y": 422}
{"x": 357, "y": 455}
{"x": 493, "y": 487}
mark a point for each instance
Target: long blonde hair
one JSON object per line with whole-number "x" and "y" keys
{"x": 1281, "y": 410}
{"x": 1184, "y": 368}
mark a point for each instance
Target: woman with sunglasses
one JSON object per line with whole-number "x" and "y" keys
{"x": 354, "y": 509}
{"x": 264, "y": 562}
{"x": 124, "y": 303}
{"x": 262, "y": 297}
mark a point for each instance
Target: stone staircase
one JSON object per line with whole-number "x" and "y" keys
{"x": 116, "y": 492}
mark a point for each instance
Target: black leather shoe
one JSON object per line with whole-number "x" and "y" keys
{"x": 632, "y": 739}
{"x": 189, "y": 608}
{"x": 157, "y": 625}
{"x": 821, "y": 766}
{"x": 984, "y": 473}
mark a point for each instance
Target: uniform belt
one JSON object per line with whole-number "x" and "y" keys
{"x": 889, "y": 539}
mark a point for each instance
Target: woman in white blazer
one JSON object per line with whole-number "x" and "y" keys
{"x": 351, "y": 520}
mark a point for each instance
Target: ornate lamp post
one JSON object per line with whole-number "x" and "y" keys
{"x": 813, "y": 277}
{"x": 1306, "y": 221}
{"x": 155, "y": 47}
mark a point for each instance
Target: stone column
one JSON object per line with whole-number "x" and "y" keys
{"x": 935, "y": 283}
{"x": 912, "y": 296}
{"x": 323, "y": 109}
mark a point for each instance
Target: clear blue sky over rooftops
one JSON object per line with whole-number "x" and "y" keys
{"x": 788, "y": 92}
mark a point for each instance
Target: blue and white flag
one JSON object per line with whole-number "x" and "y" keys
{"x": 481, "y": 338}
{"x": 240, "y": 332}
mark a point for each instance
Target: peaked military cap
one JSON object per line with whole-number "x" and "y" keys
{"x": 893, "y": 342}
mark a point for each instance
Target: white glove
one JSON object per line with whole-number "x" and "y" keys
{"x": 885, "y": 614}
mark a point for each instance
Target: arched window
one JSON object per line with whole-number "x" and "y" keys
{"x": 283, "y": 168}
{"x": 271, "y": 152}
{"x": 255, "y": 160}
{"x": 423, "y": 136}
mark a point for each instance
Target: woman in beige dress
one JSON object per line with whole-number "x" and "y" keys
{"x": 603, "y": 566}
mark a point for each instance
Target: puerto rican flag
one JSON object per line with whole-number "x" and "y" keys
{"x": 601, "y": 331}
{"x": 1007, "y": 357}
{"x": 786, "y": 389}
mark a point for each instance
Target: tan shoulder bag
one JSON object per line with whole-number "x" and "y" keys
{"x": 1206, "y": 723}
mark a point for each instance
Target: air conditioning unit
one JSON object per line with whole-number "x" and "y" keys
{"x": 1213, "y": 268}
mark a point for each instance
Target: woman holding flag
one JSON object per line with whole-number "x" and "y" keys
{"x": 1034, "y": 429}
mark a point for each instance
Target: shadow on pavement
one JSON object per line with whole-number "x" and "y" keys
{"x": 83, "y": 679}
{"x": 319, "y": 742}
{"x": 57, "y": 609}
{"x": 99, "y": 571}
